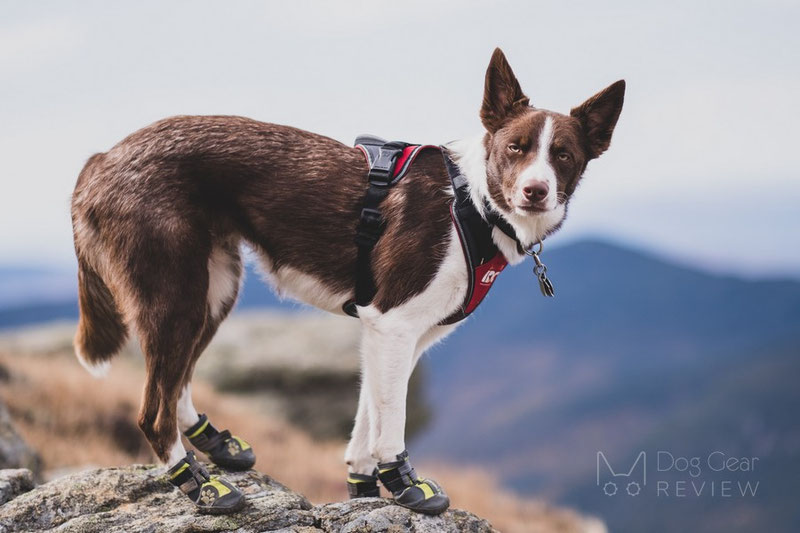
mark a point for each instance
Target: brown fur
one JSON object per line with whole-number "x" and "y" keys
{"x": 149, "y": 213}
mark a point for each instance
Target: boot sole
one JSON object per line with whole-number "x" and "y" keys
{"x": 233, "y": 466}
{"x": 429, "y": 512}
{"x": 223, "y": 510}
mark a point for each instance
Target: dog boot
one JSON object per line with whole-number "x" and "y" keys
{"x": 409, "y": 490}
{"x": 224, "y": 449}
{"x": 363, "y": 485}
{"x": 211, "y": 494}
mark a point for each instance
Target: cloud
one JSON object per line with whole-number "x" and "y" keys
{"x": 704, "y": 152}
{"x": 26, "y": 46}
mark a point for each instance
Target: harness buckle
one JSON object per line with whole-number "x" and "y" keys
{"x": 370, "y": 227}
{"x": 382, "y": 170}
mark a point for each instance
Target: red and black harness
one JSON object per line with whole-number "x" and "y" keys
{"x": 388, "y": 164}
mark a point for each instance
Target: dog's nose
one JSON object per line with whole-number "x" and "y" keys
{"x": 535, "y": 191}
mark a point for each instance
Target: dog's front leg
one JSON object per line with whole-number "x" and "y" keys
{"x": 389, "y": 364}
{"x": 388, "y": 352}
{"x": 358, "y": 455}
{"x": 361, "y": 465}
{"x": 387, "y": 357}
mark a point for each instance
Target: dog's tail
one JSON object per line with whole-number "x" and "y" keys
{"x": 101, "y": 327}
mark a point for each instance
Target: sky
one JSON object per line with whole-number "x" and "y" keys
{"x": 702, "y": 168}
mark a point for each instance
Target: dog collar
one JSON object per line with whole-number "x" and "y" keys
{"x": 495, "y": 219}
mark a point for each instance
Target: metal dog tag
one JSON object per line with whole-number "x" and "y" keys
{"x": 540, "y": 271}
{"x": 545, "y": 285}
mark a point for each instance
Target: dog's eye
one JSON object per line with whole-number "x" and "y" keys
{"x": 564, "y": 156}
{"x": 514, "y": 148}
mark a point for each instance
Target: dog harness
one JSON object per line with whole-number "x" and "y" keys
{"x": 388, "y": 163}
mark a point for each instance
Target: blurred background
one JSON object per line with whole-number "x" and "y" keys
{"x": 674, "y": 331}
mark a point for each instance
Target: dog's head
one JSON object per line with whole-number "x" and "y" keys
{"x": 536, "y": 157}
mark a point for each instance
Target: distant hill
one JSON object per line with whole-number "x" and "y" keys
{"x": 33, "y": 296}
{"x": 22, "y": 286}
{"x": 633, "y": 354}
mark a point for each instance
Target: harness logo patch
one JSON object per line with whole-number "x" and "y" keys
{"x": 489, "y": 277}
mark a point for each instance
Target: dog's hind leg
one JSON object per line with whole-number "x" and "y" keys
{"x": 169, "y": 330}
{"x": 224, "y": 449}
{"x": 187, "y": 414}
{"x": 171, "y": 320}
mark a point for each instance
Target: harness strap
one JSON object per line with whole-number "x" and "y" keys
{"x": 388, "y": 163}
{"x": 371, "y": 223}
{"x": 483, "y": 259}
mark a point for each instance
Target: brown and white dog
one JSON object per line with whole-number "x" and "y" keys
{"x": 158, "y": 221}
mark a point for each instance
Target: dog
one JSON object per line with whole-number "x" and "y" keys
{"x": 158, "y": 221}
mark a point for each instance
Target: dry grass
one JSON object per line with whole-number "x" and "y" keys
{"x": 74, "y": 420}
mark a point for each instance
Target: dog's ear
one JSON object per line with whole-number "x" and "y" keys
{"x": 502, "y": 95}
{"x": 598, "y": 116}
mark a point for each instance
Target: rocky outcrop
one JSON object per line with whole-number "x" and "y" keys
{"x": 304, "y": 366}
{"x": 14, "y": 452}
{"x": 73, "y": 420}
{"x": 13, "y": 482}
{"x": 139, "y": 499}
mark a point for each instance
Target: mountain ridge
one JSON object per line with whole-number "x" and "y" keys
{"x": 35, "y": 294}
{"x": 634, "y": 351}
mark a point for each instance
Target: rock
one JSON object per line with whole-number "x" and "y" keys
{"x": 13, "y": 482}
{"x": 14, "y": 452}
{"x": 140, "y": 499}
{"x": 373, "y": 515}
{"x": 304, "y": 367}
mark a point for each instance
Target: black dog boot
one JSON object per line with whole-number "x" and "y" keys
{"x": 363, "y": 486}
{"x": 224, "y": 449}
{"x": 411, "y": 491}
{"x": 211, "y": 494}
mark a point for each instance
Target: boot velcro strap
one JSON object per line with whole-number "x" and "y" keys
{"x": 362, "y": 485}
{"x": 199, "y": 472}
{"x": 397, "y": 478}
{"x": 209, "y": 439}
{"x": 205, "y": 437}
{"x": 188, "y": 475}
{"x": 189, "y": 486}
{"x": 214, "y": 442}
{"x": 200, "y": 427}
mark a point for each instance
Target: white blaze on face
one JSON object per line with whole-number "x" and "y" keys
{"x": 541, "y": 170}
